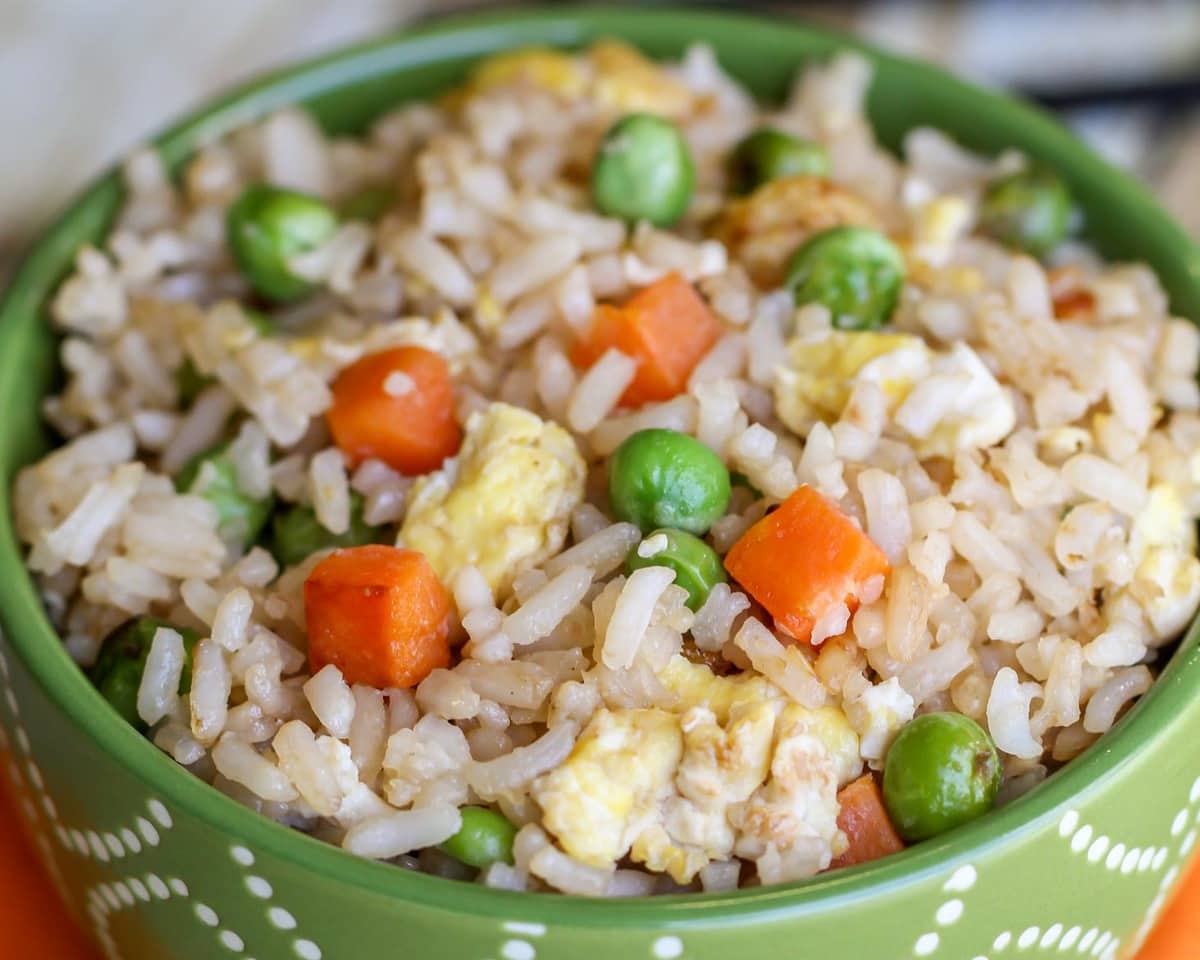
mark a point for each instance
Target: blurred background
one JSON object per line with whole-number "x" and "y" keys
{"x": 83, "y": 81}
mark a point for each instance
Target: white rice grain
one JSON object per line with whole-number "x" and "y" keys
{"x": 159, "y": 686}
{"x": 541, "y": 613}
{"x": 599, "y": 390}
{"x": 329, "y": 488}
{"x": 448, "y": 695}
{"x": 786, "y": 667}
{"x": 390, "y": 835}
{"x": 886, "y": 503}
{"x": 209, "y": 696}
{"x": 631, "y": 615}
{"x": 200, "y": 428}
{"x": 601, "y": 553}
{"x": 231, "y": 621}
{"x": 238, "y": 761}
{"x": 1108, "y": 701}
{"x": 1008, "y": 715}
{"x": 1099, "y": 479}
{"x": 514, "y": 770}
{"x": 331, "y": 700}
{"x": 540, "y": 261}
{"x": 368, "y": 731}
{"x": 678, "y": 414}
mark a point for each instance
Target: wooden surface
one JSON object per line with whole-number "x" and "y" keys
{"x": 34, "y": 924}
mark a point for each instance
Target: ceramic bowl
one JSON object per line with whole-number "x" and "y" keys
{"x": 158, "y": 865}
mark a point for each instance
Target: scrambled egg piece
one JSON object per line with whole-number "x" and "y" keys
{"x": 614, "y": 74}
{"x": 695, "y": 685}
{"x": 489, "y": 314}
{"x": 974, "y": 411}
{"x": 721, "y": 771}
{"x": 503, "y": 504}
{"x": 937, "y": 227}
{"x": 764, "y": 229}
{"x": 945, "y": 400}
{"x": 544, "y": 67}
{"x": 789, "y": 826}
{"x": 1166, "y": 581}
{"x": 877, "y": 713}
{"x": 608, "y": 790}
{"x": 820, "y": 374}
{"x": 627, "y": 81}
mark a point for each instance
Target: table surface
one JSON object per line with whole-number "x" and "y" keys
{"x": 34, "y": 923}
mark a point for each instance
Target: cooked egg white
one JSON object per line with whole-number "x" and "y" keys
{"x": 721, "y": 770}
{"x": 937, "y": 227}
{"x": 815, "y": 383}
{"x": 958, "y": 406}
{"x": 1166, "y": 581}
{"x": 612, "y": 785}
{"x": 504, "y": 503}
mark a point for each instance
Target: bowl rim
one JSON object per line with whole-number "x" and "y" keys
{"x": 36, "y": 642}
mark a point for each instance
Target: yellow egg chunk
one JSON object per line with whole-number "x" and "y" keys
{"x": 937, "y": 228}
{"x": 504, "y": 503}
{"x": 789, "y": 827}
{"x": 695, "y": 685}
{"x": 815, "y": 383}
{"x": 544, "y": 67}
{"x": 732, "y": 764}
{"x": 613, "y": 74}
{"x": 975, "y": 411}
{"x": 1166, "y": 581}
{"x": 607, "y": 790}
{"x": 627, "y": 81}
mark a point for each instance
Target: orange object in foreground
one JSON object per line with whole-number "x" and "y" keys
{"x": 666, "y": 327}
{"x": 1176, "y": 936}
{"x": 863, "y": 818}
{"x": 379, "y": 614}
{"x": 803, "y": 559}
{"x": 396, "y": 406}
{"x": 33, "y": 921}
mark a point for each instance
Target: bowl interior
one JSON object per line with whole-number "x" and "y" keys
{"x": 345, "y": 92}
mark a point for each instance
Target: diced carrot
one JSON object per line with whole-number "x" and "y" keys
{"x": 666, "y": 327}
{"x": 1074, "y": 305}
{"x": 379, "y": 614}
{"x": 396, "y": 406}
{"x": 804, "y": 558}
{"x": 864, "y": 820}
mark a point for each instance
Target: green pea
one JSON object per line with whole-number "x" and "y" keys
{"x": 369, "y": 204}
{"x": 117, "y": 673}
{"x": 484, "y": 838}
{"x": 643, "y": 171}
{"x": 941, "y": 771}
{"x": 767, "y": 154}
{"x": 663, "y": 478}
{"x": 697, "y": 567}
{"x": 297, "y": 534}
{"x": 212, "y": 475}
{"x": 855, "y": 271}
{"x": 266, "y": 226}
{"x": 1030, "y": 210}
{"x": 190, "y": 382}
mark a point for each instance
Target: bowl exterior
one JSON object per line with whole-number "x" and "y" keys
{"x": 157, "y": 866}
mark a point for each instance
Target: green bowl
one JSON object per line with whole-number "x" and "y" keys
{"x": 156, "y": 864}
